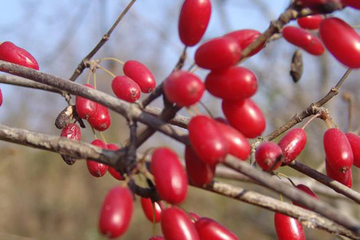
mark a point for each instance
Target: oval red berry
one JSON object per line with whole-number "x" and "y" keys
{"x": 183, "y": 88}
{"x": 218, "y": 53}
{"x": 176, "y": 225}
{"x": 288, "y": 228}
{"x": 193, "y": 21}
{"x": 304, "y": 39}
{"x": 245, "y": 116}
{"x": 116, "y": 212}
{"x": 125, "y": 88}
{"x": 207, "y": 140}
{"x": 233, "y": 83}
{"x": 11, "y": 53}
{"x": 169, "y": 175}
{"x": 101, "y": 121}
{"x": 338, "y": 150}
{"x": 210, "y": 229}
{"x": 342, "y": 41}
{"x": 268, "y": 156}
{"x": 292, "y": 144}
{"x": 140, "y": 74}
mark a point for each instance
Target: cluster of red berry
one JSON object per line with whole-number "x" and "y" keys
{"x": 212, "y": 139}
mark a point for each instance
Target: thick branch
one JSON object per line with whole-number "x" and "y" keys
{"x": 23, "y": 82}
{"x": 64, "y": 146}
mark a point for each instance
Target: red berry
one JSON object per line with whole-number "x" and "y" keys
{"x": 85, "y": 108}
{"x": 245, "y": 116}
{"x": 170, "y": 176}
{"x": 239, "y": 146}
{"x": 95, "y": 168}
{"x": 207, "y": 140}
{"x": 183, "y": 88}
{"x": 338, "y": 150}
{"x": 112, "y": 170}
{"x": 310, "y": 22}
{"x": 125, "y": 88}
{"x": 245, "y": 37}
{"x": 71, "y": 131}
{"x": 218, "y": 53}
{"x": 342, "y": 177}
{"x": 354, "y": 141}
{"x": 210, "y": 229}
{"x": 101, "y": 120}
{"x": 292, "y": 144}
{"x": 351, "y": 3}
{"x": 199, "y": 172}
{"x": 342, "y": 41}
{"x": 176, "y": 225}
{"x": 288, "y": 228}
{"x": 307, "y": 190}
{"x": 233, "y": 83}
{"x": 11, "y": 53}
{"x": 303, "y": 39}
{"x": 268, "y": 156}
{"x": 193, "y": 21}
{"x": 116, "y": 212}
{"x": 140, "y": 74}
{"x": 149, "y": 208}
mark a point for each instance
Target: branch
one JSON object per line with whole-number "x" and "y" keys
{"x": 294, "y": 194}
{"x": 178, "y": 120}
{"x": 308, "y": 218}
{"x": 299, "y": 117}
{"x": 23, "y": 82}
{"x": 125, "y": 109}
{"x": 61, "y": 145}
{"x": 104, "y": 39}
{"x": 337, "y": 186}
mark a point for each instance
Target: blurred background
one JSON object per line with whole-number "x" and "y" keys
{"x": 43, "y": 198}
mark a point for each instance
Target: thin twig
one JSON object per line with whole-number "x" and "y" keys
{"x": 299, "y": 117}
{"x": 104, "y": 39}
{"x": 335, "y": 185}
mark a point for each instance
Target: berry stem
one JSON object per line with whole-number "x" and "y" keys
{"x": 310, "y": 120}
{"x": 349, "y": 98}
{"x": 106, "y": 70}
{"x": 103, "y": 137}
